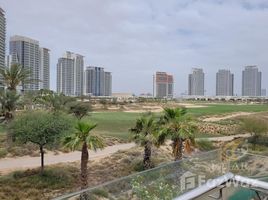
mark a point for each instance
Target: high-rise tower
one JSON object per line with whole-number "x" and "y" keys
{"x": 70, "y": 69}
{"x": 251, "y": 81}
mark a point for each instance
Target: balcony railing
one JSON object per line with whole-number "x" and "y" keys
{"x": 193, "y": 175}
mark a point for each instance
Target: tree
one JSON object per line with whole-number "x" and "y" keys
{"x": 256, "y": 127}
{"x": 16, "y": 75}
{"x": 27, "y": 100}
{"x": 53, "y": 101}
{"x": 85, "y": 138}
{"x": 145, "y": 135}
{"x": 79, "y": 109}
{"x": 8, "y": 100}
{"x": 40, "y": 128}
{"x": 180, "y": 128}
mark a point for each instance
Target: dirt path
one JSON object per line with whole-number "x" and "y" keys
{"x": 226, "y": 138}
{"x": 215, "y": 119}
{"x": 12, "y": 164}
{"x": 8, "y": 165}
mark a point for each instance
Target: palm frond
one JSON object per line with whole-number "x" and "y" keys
{"x": 94, "y": 142}
{"x": 72, "y": 142}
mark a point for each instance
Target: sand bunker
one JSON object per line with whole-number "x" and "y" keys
{"x": 215, "y": 119}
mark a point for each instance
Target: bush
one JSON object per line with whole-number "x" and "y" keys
{"x": 23, "y": 150}
{"x": 138, "y": 166}
{"x": 3, "y": 152}
{"x": 204, "y": 145}
{"x": 156, "y": 190}
{"x": 100, "y": 193}
{"x": 260, "y": 140}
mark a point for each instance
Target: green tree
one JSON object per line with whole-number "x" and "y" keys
{"x": 257, "y": 127}
{"x": 40, "y": 128}
{"x": 144, "y": 133}
{"x": 8, "y": 100}
{"x": 16, "y": 75}
{"x": 85, "y": 138}
{"x": 26, "y": 101}
{"x": 53, "y": 101}
{"x": 79, "y": 109}
{"x": 180, "y": 128}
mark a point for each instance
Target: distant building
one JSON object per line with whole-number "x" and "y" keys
{"x": 224, "y": 83}
{"x": 196, "y": 82}
{"x": 98, "y": 82}
{"x": 26, "y": 52}
{"x": 251, "y": 81}
{"x": 70, "y": 74}
{"x": 8, "y": 61}
{"x": 163, "y": 85}
{"x": 263, "y": 92}
{"x": 146, "y": 95}
{"x": 44, "y": 62}
{"x": 107, "y": 84}
{"x": 2, "y": 41}
{"x": 123, "y": 95}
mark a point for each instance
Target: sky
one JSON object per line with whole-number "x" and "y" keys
{"x": 135, "y": 38}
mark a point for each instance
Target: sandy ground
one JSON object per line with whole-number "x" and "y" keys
{"x": 227, "y": 138}
{"x": 8, "y": 165}
{"x": 160, "y": 109}
{"x": 215, "y": 119}
{"x": 12, "y": 164}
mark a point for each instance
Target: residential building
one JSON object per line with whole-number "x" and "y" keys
{"x": 8, "y": 61}
{"x": 44, "y": 62}
{"x": 98, "y": 82}
{"x": 251, "y": 81}
{"x": 196, "y": 82}
{"x": 263, "y": 92}
{"x": 70, "y": 75}
{"x": 2, "y": 42}
{"x": 107, "y": 84}
{"x": 163, "y": 85}
{"x": 26, "y": 52}
{"x": 224, "y": 83}
{"x": 123, "y": 96}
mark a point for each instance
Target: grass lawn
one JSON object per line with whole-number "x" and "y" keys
{"x": 214, "y": 109}
{"x": 117, "y": 124}
{"x": 114, "y": 124}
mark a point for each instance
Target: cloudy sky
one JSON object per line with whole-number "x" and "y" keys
{"x": 135, "y": 38}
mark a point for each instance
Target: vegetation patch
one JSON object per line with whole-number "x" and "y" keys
{"x": 204, "y": 145}
{"x": 62, "y": 178}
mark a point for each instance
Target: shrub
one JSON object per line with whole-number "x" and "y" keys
{"x": 3, "y": 152}
{"x": 204, "y": 145}
{"x": 157, "y": 190}
{"x": 138, "y": 166}
{"x": 100, "y": 193}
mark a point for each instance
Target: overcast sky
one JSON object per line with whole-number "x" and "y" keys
{"x": 135, "y": 38}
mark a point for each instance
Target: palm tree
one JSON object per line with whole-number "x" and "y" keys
{"x": 15, "y": 75}
{"x": 180, "y": 128}
{"x": 83, "y": 137}
{"x": 145, "y": 134}
{"x": 8, "y": 100}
